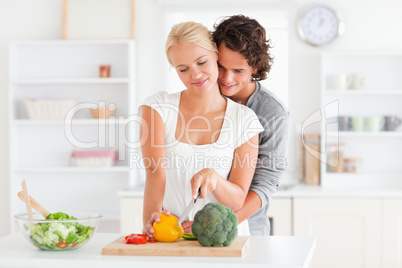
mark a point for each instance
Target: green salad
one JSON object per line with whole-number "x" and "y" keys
{"x": 60, "y": 235}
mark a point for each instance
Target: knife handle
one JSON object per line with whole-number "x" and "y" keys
{"x": 199, "y": 192}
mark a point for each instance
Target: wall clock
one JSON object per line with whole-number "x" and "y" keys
{"x": 318, "y": 25}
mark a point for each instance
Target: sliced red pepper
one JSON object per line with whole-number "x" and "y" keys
{"x": 138, "y": 239}
{"x": 150, "y": 239}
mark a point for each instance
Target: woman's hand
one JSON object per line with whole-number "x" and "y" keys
{"x": 186, "y": 225}
{"x": 148, "y": 227}
{"x": 206, "y": 180}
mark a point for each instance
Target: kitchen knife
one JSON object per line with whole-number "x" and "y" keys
{"x": 188, "y": 208}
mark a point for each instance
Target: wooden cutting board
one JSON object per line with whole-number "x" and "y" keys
{"x": 180, "y": 247}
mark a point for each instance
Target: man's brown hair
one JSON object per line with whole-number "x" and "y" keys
{"x": 246, "y": 36}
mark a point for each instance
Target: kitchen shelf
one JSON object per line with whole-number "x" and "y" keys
{"x": 364, "y": 175}
{"x": 196, "y": 3}
{"x": 40, "y": 149}
{"x": 60, "y": 42}
{"x": 72, "y": 169}
{"x": 109, "y": 80}
{"x": 364, "y": 92}
{"x": 364, "y": 134}
{"x": 85, "y": 122}
{"x": 381, "y": 96}
{"x": 363, "y": 180}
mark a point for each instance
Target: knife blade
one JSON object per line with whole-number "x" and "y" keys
{"x": 188, "y": 208}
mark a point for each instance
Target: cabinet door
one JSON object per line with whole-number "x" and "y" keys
{"x": 280, "y": 215}
{"x": 348, "y": 230}
{"x": 392, "y": 233}
{"x": 131, "y": 215}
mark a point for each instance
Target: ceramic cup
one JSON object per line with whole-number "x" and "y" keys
{"x": 392, "y": 122}
{"x": 374, "y": 123}
{"x": 341, "y": 81}
{"x": 357, "y": 123}
{"x": 357, "y": 81}
{"x": 344, "y": 123}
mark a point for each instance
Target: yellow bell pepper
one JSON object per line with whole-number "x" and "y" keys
{"x": 167, "y": 229}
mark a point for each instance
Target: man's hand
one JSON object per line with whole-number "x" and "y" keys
{"x": 186, "y": 225}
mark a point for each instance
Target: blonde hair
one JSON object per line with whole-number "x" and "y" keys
{"x": 189, "y": 32}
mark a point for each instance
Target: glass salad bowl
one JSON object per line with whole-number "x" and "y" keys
{"x": 60, "y": 231}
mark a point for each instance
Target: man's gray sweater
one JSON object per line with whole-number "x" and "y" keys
{"x": 272, "y": 161}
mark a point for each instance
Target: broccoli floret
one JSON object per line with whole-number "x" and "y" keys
{"x": 215, "y": 225}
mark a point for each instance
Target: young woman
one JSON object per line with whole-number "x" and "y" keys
{"x": 196, "y": 138}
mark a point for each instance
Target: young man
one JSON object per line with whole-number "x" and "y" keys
{"x": 244, "y": 59}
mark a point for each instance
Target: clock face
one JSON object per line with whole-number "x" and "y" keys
{"x": 319, "y": 25}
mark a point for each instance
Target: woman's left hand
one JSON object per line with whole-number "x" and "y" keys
{"x": 148, "y": 227}
{"x": 206, "y": 180}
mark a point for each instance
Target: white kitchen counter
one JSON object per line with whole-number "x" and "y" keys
{"x": 268, "y": 252}
{"x": 303, "y": 190}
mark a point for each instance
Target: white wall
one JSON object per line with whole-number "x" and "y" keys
{"x": 370, "y": 24}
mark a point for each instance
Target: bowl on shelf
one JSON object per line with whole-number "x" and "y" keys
{"x": 101, "y": 113}
{"x": 59, "y": 235}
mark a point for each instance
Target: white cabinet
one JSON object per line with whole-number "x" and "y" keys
{"x": 131, "y": 207}
{"x": 392, "y": 233}
{"x": 40, "y": 150}
{"x": 280, "y": 214}
{"x": 348, "y": 230}
{"x": 363, "y": 134}
{"x": 351, "y": 232}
